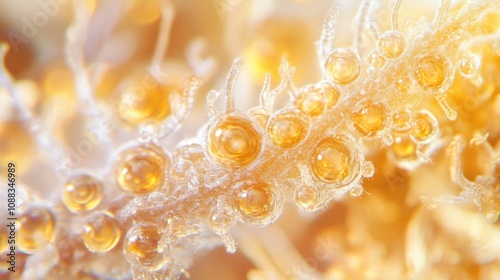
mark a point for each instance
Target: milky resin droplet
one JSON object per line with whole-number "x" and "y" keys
{"x": 233, "y": 141}
{"x": 255, "y": 202}
{"x": 181, "y": 171}
{"x": 308, "y": 199}
{"x": 401, "y": 120}
{"x": 141, "y": 169}
{"x": 145, "y": 100}
{"x": 260, "y": 115}
{"x": 101, "y": 233}
{"x": 82, "y": 192}
{"x": 468, "y": 65}
{"x": 368, "y": 169}
{"x": 331, "y": 161}
{"x": 371, "y": 119}
{"x": 387, "y": 139}
{"x": 287, "y": 128}
{"x": 144, "y": 249}
{"x": 375, "y": 60}
{"x": 220, "y": 221}
{"x": 403, "y": 85}
{"x": 391, "y": 44}
{"x": 343, "y": 66}
{"x": 189, "y": 151}
{"x": 331, "y": 94}
{"x": 424, "y": 127}
{"x": 490, "y": 23}
{"x": 356, "y": 191}
{"x": 180, "y": 227}
{"x": 36, "y": 228}
{"x": 157, "y": 199}
{"x": 310, "y": 101}
{"x": 432, "y": 72}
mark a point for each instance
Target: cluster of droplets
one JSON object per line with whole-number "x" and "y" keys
{"x": 141, "y": 169}
{"x": 413, "y": 133}
{"x": 329, "y": 163}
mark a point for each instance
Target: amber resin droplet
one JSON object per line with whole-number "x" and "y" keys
{"x": 287, "y": 128}
{"x": 371, "y": 119}
{"x": 331, "y": 161}
{"x": 233, "y": 141}
{"x": 375, "y": 60}
{"x": 310, "y": 101}
{"x": 401, "y": 120}
{"x": 404, "y": 148}
{"x": 343, "y": 66}
{"x": 101, "y": 233}
{"x": 260, "y": 115}
{"x": 144, "y": 248}
{"x": 424, "y": 127}
{"x": 403, "y": 85}
{"x": 255, "y": 202}
{"x": 331, "y": 94}
{"x": 432, "y": 72}
{"x": 391, "y": 44}
{"x": 141, "y": 169}
{"x": 490, "y": 23}
{"x": 82, "y": 192}
{"x": 36, "y": 228}
{"x": 144, "y": 100}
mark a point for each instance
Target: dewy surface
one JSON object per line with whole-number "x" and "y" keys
{"x": 223, "y": 139}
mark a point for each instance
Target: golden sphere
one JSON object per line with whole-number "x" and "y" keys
{"x": 233, "y": 141}
{"x": 82, "y": 192}
{"x": 287, "y": 129}
{"x": 432, "y": 72}
{"x": 255, "y": 202}
{"x": 391, "y": 44}
{"x": 343, "y": 66}
{"x": 143, "y": 247}
{"x": 36, "y": 228}
{"x": 371, "y": 119}
{"x": 101, "y": 233}
{"x": 331, "y": 161}
{"x": 141, "y": 169}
